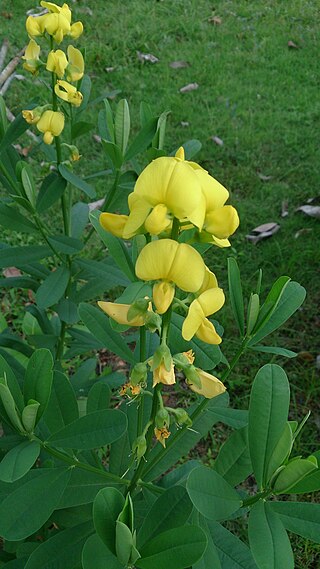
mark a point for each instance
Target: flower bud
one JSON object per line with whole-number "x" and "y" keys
{"x": 162, "y": 294}
{"x": 162, "y": 419}
{"x": 192, "y": 375}
{"x": 139, "y": 373}
{"x": 182, "y": 417}
{"x": 153, "y": 321}
{"x": 32, "y": 116}
{"x": 139, "y": 447}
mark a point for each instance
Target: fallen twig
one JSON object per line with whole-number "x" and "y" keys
{"x": 6, "y": 85}
{"x": 9, "y": 69}
{"x": 3, "y": 53}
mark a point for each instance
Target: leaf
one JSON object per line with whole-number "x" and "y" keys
{"x": 79, "y": 219}
{"x": 95, "y": 555}
{"x": 291, "y": 299}
{"x": 52, "y": 188}
{"x": 29, "y": 506}
{"x": 80, "y": 128}
{"x": 213, "y": 497}
{"x": 28, "y": 185}
{"x": 105, "y": 122}
{"x": 63, "y": 549}
{"x": 65, "y": 244}
{"x": 310, "y": 210}
{"x": 171, "y": 510}
{"x": 53, "y": 287}
{"x": 98, "y": 397}
{"x": 293, "y": 473}
{"x": 235, "y": 291}
{"x": 191, "y": 148}
{"x": 17, "y": 256}
{"x": 210, "y": 557}
{"x": 98, "y": 324}
{"x": 176, "y": 548}
{"x": 67, "y": 311}
{"x": 38, "y": 379}
{"x": 18, "y": 461}
{"x": 233, "y": 461}
{"x": 274, "y": 350}
{"x": 82, "y": 488}
{"x": 233, "y": 553}
{"x": 113, "y": 152}
{"x": 106, "y": 508}
{"x": 281, "y": 451}
{"x": 142, "y": 140}
{"x": 268, "y": 539}
{"x": 268, "y": 413}
{"x": 13, "y": 132}
{"x": 62, "y": 407}
{"x": 189, "y": 87}
{"x": 91, "y": 431}
{"x": 302, "y": 518}
{"x": 12, "y": 219}
{"x": 76, "y": 181}
{"x": 263, "y": 232}
{"x": 179, "y": 64}
{"x": 122, "y": 125}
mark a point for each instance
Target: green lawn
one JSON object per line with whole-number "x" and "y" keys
{"x": 261, "y": 98}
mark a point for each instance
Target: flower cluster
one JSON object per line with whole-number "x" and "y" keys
{"x": 173, "y": 195}
{"x": 65, "y": 68}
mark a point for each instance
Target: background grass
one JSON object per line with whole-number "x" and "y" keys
{"x": 261, "y": 98}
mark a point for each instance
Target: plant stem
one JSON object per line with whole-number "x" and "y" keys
{"x": 107, "y": 201}
{"x": 142, "y": 358}
{"x": 253, "y": 499}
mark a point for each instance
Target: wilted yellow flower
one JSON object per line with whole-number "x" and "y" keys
{"x": 190, "y": 356}
{"x": 196, "y": 322}
{"x": 57, "y": 62}
{"x": 31, "y": 57}
{"x": 171, "y": 262}
{"x": 32, "y": 116}
{"x": 119, "y": 313}
{"x": 51, "y": 124}
{"x": 163, "y": 375}
{"x": 162, "y": 435}
{"x": 68, "y": 93}
{"x": 113, "y": 223}
{"x": 75, "y": 69}
{"x": 130, "y": 390}
{"x": 211, "y": 386}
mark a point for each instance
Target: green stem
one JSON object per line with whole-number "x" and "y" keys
{"x": 175, "y": 229}
{"x": 253, "y": 499}
{"x": 43, "y": 233}
{"x": 143, "y": 355}
{"x": 151, "y": 487}
{"x": 107, "y": 201}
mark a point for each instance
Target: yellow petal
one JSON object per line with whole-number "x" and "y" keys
{"x": 180, "y": 153}
{"x": 220, "y": 242}
{"x": 188, "y": 268}
{"x": 162, "y": 375}
{"x": 32, "y": 51}
{"x": 52, "y": 121}
{"x": 139, "y": 210}
{"x": 207, "y": 333}
{"x": 76, "y": 30}
{"x": 193, "y": 320}
{"x": 209, "y": 281}
{"x": 211, "y": 386}
{"x": 75, "y": 68}
{"x": 119, "y": 313}
{"x": 35, "y": 26}
{"x": 57, "y": 62}
{"x": 162, "y": 295}
{"x": 157, "y": 221}
{"x": 222, "y": 222}
{"x": 211, "y": 300}
{"x": 68, "y": 93}
{"x": 215, "y": 194}
{"x": 113, "y": 223}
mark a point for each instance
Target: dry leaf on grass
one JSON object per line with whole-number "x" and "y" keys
{"x": 217, "y": 140}
{"x": 185, "y": 123}
{"x": 147, "y": 57}
{"x": 96, "y": 204}
{"x": 10, "y": 272}
{"x": 292, "y": 45}
{"x": 263, "y": 231}
{"x": 189, "y": 87}
{"x": 96, "y": 137}
{"x": 284, "y": 208}
{"x": 215, "y": 20}
{"x": 263, "y": 177}
{"x": 179, "y": 64}
{"x": 302, "y": 232}
{"x": 311, "y": 210}
{"x": 109, "y": 69}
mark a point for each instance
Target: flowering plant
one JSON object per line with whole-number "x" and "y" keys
{"x": 89, "y": 474}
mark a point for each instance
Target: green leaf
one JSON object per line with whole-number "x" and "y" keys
{"x": 63, "y": 549}
{"x": 268, "y": 413}
{"x": 281, "y": 451}
{"x": 29, "y": 415}
{"x": 91, "y": 431}
{"x": 274, "y": 350}
{"x": 52, "y": 188}
{"x": 271, "y": 301}
{"x": 67, "y": 311}
{"x": 302, "y": 518}
{"x": 106, "y": 508}
{"x": 13, "y": 132}
{"x": 233, "y": 553}
{"x": 142, "y": 140}
{"x": 29, "y": 506}
{"x": 53, "y": 287}
{"x": 85, "y": 88}
{"x": 105, "y": 122}
{"x": 8, "y": 407}
{"x": 38, "y": 379}
{"x": 207, "y": 356}
{"x": 82, "y": 488}
{"x": 235, "y": 418}
{"x": 233, "y": 461}
{"x": 28, "y": 184}
{"x": 210, "y": 557}
{"x": 98, "y": 397}
{"x": 19, "y": 282}
{"x": 65, "y": 244}
{"x": 171, "y": 510}
{"x": 176, "y": 548}
{"x": 213, "y": 497}
{"x": 80, "y": 128}
{"x": 268, "y": 539}
{"x": 18, "y": 461}
{"x": 293, "y": 473}
{"x": 18, "y": 256}
{"x": 76, "y": 181}
{"x": 6, "y": 371}
{"x": 191, "y": 148}
{"x": 122, "y": 125}
{"x": 235, "y": 291}
{"x": 98, "y": 324}
{"x": 95, "y": 555}
{"x": 253, "y": 312}
{"x": 113, "y": 152}
{"x": 291, "y": 299}
{"x": 62, "y": 407}
{"x": 311, "y": 483}
{"x": 12, "y": 219}
{"x": 79, "y": 219}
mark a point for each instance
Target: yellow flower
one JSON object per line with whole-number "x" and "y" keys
{"x": 31, "y": 56}
{"x": 167, "y": 188}
{"x": 33, "y": 116}
{"x": 57, "y": 62}
{"x": 51, "y": 124}
{"x": 190, "y": 356}
{"x": 75, "y": 69}
{"x": 58, "y": 21}
{"x": 211, "y": 386}
{"x": 68, "y": 93}
{"x": 162, "y": 295}
{"x": 163, "y": 375}
{"x": 113, "y": 223}
{"x": 35, "y": 25}
{"x": 119, "y": 313}
{"x": 196, "y": 322}
{"x": 161, "y": 435}
{"x": 130, "y": 390}
{"x": 76, "y": 30}
{"x": 171, "y": 262}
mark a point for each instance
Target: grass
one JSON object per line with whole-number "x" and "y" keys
{"x": 261, "y": 98}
